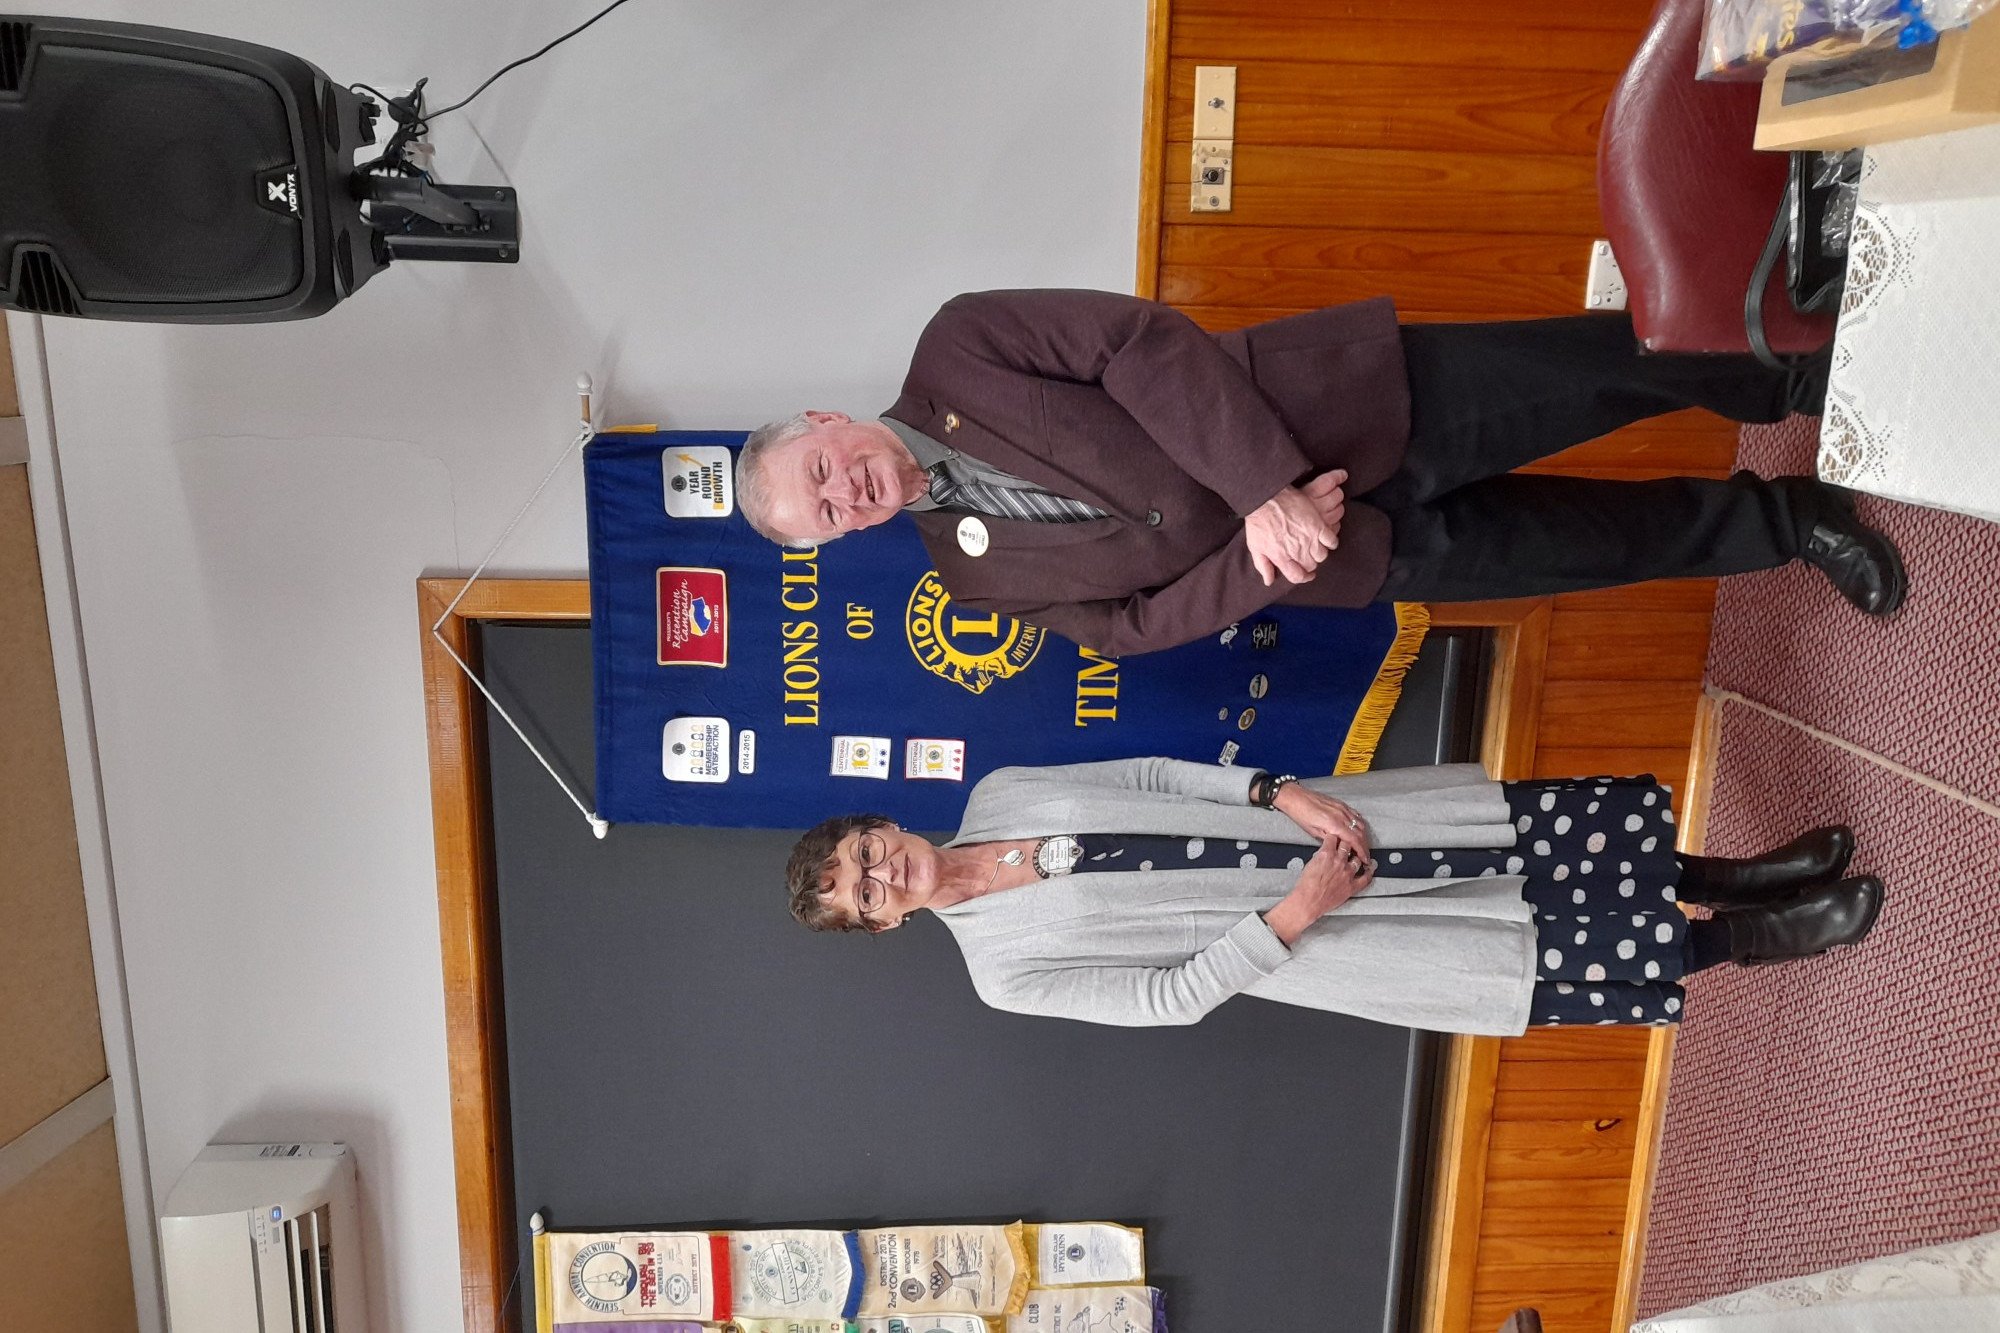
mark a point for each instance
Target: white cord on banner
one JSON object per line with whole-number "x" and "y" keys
{"x": 598, "y": 825}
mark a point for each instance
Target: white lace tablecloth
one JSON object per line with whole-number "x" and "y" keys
{"x": 1944, "y": 1289}
{"x": 1913, "y": 407}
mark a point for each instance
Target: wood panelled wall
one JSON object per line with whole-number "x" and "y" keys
{"x": 1443, "y": 152}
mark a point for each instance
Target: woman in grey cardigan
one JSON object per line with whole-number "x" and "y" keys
{"x": 1148, "y": 891}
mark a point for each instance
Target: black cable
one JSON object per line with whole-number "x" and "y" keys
{"x": 375, "y": 93}
{"x": 525, "y": 59}
{"x": 408, "y": 113}
{"x": 413, "y": 122}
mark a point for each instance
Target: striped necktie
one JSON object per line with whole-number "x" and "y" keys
{"x": 1026, "y": 503}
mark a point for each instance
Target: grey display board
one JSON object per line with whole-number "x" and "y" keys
{"x": 680, "y": 1053}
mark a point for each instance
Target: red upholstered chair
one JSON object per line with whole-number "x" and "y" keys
{"x": 1688, "y": 202}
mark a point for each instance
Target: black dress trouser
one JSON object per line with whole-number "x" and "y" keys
{"x": 1488, "y": 398}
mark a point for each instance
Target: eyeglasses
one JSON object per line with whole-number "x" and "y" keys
{"x": 870, "y": 894}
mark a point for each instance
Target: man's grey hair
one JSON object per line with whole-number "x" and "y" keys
{"x": 753, "y": 490}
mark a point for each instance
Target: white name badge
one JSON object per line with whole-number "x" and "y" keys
{"x": 926, "y": 758}
{"x": 695, "y": 749}
{"x": 861, "y": 757}
{"x": 699, "y": 481}
{"x": 972, "y": 538}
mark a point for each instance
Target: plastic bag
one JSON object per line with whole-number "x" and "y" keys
{"x": 1740, "y": 37}
{"x": 1838, "y": 175}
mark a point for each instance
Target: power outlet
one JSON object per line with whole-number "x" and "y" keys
{"x": 1604, "y": 289}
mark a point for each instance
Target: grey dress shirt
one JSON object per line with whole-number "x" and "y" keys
{"x": 931, "y": 455}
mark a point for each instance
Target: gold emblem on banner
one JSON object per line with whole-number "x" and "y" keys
{"x": 968, "y": 648}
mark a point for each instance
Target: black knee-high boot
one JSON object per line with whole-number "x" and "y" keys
{"x": 1818, "y": 857}
{"x": 1802, "y": 926}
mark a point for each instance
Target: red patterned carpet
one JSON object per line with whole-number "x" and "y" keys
{"x": 1847, "y": 1107}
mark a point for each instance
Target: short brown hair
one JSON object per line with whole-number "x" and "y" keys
{"x": 753, "y": 491}
{"x": 812, "y": 859}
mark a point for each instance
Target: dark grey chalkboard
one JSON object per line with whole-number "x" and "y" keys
{"x": 680, "y": 1053}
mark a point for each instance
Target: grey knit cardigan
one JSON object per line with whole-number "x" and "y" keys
{"x": 1136, "y": 948}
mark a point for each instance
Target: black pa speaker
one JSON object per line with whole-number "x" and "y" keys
{"x": 150, "y": 174}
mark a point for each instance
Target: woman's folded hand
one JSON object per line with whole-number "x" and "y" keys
{"x": 1323, "y": 817}
{"x": 1333, "y": 875}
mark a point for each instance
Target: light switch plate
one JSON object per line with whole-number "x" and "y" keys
{"x": 1215, "y": 102}
{"x": 1604, "y": 289}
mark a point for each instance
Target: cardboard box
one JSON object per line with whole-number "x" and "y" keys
{"x": 1878, "y": 97}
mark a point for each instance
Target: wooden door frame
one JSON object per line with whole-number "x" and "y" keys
{"x": 475, "y": 1037}
{"x": 468, "y": 927}
{"x": 1153, "y": 148}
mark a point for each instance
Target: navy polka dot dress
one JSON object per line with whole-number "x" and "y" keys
{"x": 1597, "y": 859}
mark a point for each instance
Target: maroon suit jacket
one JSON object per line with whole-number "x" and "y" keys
{"x": 1128, "y": 405}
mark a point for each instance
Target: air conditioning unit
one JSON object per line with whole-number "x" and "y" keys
{"x": 264, "y": 1238}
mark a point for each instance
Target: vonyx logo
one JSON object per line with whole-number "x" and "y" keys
{"x": 971, "y": 649}
{"x": 693, "y": 617}
{"x": 278, "y": 190}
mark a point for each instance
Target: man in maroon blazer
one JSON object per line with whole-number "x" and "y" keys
{"x": 1098, "y": 465}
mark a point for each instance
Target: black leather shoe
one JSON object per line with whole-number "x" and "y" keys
{"x": 1860, "y": 562}
{"x": 1818, "y": 857}
{"x": 1811, "y": 923}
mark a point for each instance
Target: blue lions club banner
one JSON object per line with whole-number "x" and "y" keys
{"x": 742, "y": 684}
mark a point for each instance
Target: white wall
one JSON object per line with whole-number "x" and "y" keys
{"x": 734, "y": 208}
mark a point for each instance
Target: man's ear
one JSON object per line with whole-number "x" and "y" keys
{"x": 827, "y": 418}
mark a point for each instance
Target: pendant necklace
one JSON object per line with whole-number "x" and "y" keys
{"x": 1054, "y": 855}
{"x": 1007, "y": 858}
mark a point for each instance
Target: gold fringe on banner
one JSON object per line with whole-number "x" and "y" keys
{"x": 1413, "y": 621}
{"x": 545, "y": 1300}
